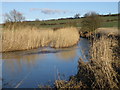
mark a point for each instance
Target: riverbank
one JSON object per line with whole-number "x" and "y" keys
{"x": 102, "y": 71}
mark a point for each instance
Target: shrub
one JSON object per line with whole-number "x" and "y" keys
{"x": 91, "y": 21}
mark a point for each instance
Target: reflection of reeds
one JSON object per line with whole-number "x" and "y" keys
{"x": 14, "y": 61}
{"x": 31, "y": 37}
{"x": 67, "y": 55}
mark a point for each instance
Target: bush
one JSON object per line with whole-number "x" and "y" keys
{"x": 91, "y": 21}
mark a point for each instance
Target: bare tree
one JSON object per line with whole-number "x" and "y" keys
{"x": 14, "y": 16}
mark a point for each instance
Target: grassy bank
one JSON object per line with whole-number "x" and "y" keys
{"x": 102, "y": 71}
{"x": 24, "y": 38}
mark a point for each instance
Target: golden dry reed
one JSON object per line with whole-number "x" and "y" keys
{"x": 65, "y": 37}
{"x": 100, "y": 72}
{"x": 102, "y": 57}
{"x": 31, "y": 37}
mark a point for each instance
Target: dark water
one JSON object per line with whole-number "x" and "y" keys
{"x": 29, "y": 69}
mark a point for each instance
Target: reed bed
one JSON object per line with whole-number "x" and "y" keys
{"x": 99, "y": 72}
{"x": 65, "y": 37}
{"x": 24, "y": 38}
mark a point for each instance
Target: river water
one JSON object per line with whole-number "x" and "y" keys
{"x": 39, "y": 67}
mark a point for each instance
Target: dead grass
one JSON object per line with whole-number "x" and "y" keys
{"x": 65, "y": 37}
{"x": 62, "y": 84}
{"x": 108, "y": 31}
{"x": 23, "y": 38}
{"x": 100, "y": 72}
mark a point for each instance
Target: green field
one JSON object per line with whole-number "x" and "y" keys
{"x": 107, "y": 21}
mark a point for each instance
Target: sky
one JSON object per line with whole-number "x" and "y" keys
{"x": 54, "y": 10}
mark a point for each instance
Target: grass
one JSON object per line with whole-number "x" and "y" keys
{"x": 110, "y": 24}
{"x": 108, "y": 21}
{"x": 77, "y": 22}
{"x": 23, "y": 38}
{"x": 73, "y": 22}
{"x": 101, "y": 72}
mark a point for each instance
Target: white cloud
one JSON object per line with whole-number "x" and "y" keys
{"x": 49, "y": 11}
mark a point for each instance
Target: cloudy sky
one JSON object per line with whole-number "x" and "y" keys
{"x": 53, "y": 10}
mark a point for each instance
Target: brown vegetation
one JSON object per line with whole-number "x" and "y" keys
{"x": 101, "y": 72}
{"x": 23, "y": 38}
{"x": 65, "y": 37}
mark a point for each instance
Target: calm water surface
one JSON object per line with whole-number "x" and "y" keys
{"x": 29, "y": 69}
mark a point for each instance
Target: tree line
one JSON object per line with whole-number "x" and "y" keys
{"x": 90, "y": 22}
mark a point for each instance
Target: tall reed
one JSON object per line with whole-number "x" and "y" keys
{"x": 23, "y": 38}
{"x": 99, "y": 72}
{"x": 65, "y": 37}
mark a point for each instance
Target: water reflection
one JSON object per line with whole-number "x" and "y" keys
{"x": 39, "y": 65}
{"x": 15, "y": 61}
{"x": 68, "y": 54}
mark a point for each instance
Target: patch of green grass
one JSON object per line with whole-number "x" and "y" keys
{"x": 110, "y": 17}
{"x": 110, "y": 24}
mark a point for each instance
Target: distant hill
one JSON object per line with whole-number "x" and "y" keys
{"x": 110, "y": 20}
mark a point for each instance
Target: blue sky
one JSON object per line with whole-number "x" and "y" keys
{"x": 53, "y": 10}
